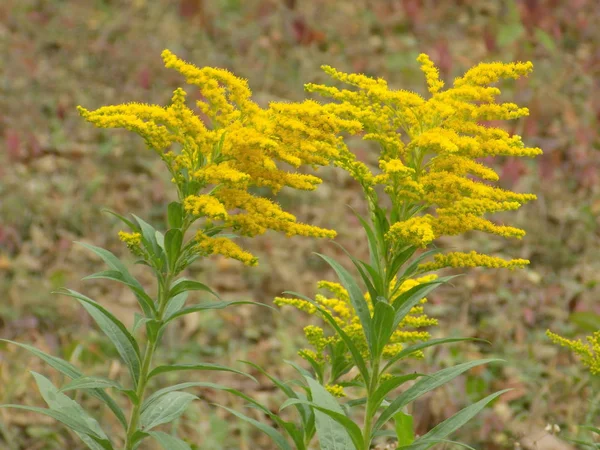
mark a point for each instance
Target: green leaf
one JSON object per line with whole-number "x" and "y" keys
{"x": 545, "y": 39}
{"x": 404, "y": 428}
{"x": 146, "y": 303}
{"x": 127, "y": 222}
{"x": 451, "y": 424}
{"x": 421, "y": 345}
{"x": 169, "y": 442}
{"x": 413, "y": 267}
{"x": 165, "y": 409}
{"x": 334, "y": 429}
{"x": 275, "y": 435}
{"x": 356, "y": 356}
{"x": 69, "y": 419}
{"x": 397, "y": 262}
{"x": 149, "y": 237}
{"x": 209, "y": 305}
{"x": 383, "y": 327}
{"x": 409, "y": 299}
{"x": 386, "y": 387}
{"x": 372, "y": 241}
{"x": 175, "y": 215}
{"x": 198, "y": 366}
{"x": 175, "y": 304}
{"x": 425, "y": 385}
{"x": 173, "y": 241}
{"x": 61, "y": 403}
{"x": 306, "y": 413}
{"x": 509, "y": 34}
{"x": 68, "y": 369}
{"x": 114, "y": 263}
{"x": 356, "y": 296}
{"x": 124, "y": 342}
{"x": 590, "y": 428}
{"x": 368, "y": 274}
{"x": 91, "y": 383}
{"x": 586, "y": 321}
{"x": 184, "y": 285}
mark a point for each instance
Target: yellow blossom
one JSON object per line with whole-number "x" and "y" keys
{"x": 472, "y": 259}
{"x": 225, "y": 247}
{"x": 131, "y": 239}
{"x": 205, "y": 205}
{"x": 431, "y": 150}
{"x": 588, "y": 352}
{"x": 336, "y": 390}
{"x": 217, "y": 158}
{"x": 340, "y": 307}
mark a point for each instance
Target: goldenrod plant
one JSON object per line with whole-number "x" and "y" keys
{"x": 588, "y": 353}
{"x": 215, "y": 165}
{"x": 431, "y": 183}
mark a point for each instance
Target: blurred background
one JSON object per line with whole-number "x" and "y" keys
{"x": 57, "y": 172}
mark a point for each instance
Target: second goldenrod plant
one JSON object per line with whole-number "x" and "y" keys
{"x": 436, "y": 185}
{"x": 215, "y": 165}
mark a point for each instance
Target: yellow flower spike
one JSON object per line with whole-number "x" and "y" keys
{"x": 223, "y": 246}
{"x": 214, "y": 162}
{"x": 205, "y": 205}
{"x": 415, "y": 231}
{"x": 588, "y": 352}
{"x": 131, "y": 239}
{"x": 430, "y": 149}
{"x": 133, "y": 242}
{"x": 431, "y": 73}
{"x": 336, "y": 390}
{"x": 472, "y": 259}
{"x": 345, "y": 316}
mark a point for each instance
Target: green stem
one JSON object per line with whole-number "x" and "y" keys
{"x": 373, "y": 385}
{"x": 134, "y": 419}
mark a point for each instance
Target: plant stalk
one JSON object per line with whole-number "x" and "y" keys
{"x": 134, "y": 419}
{"x": 373, "y": 385}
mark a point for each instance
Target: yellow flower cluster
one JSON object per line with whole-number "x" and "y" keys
{"x": 588, "y": 352}
{"x": 340, "y": 307}
{"x": 235, "y": 145}
{"x": 223, "y": 246}
{"x": 431, "y": 150}
{"x": 471, "y": 259}
{"x": 336, "y": 390}
{"x": 133, "y": 241}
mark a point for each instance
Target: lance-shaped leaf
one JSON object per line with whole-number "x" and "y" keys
{"x": 184, "y": 285}
{"x": 411, "y": 298}
{"x": 146, "y": 303}
{"x": 123, "y": 341}
{"x": 173, "y": 241}
{"x": 403, "y": 424}
{"x": 165, "y": 409}
{"x": 424, "y": 385}
{"x": 198, "y": 366}
{"x": 386, "y": 387}
{"x": 169, "y": 442}
{"x": 450, "y": 425}
{"x": 383, "y": 327}
{"x": 59, "y": 402}
{"x": 275, "y": 435}
{"x": 68, "y": 369}
{"x": 356, "y": 356}
{"x": 114, "y": 263}
{"x": 356, "y": 296}
{"x": 70, "y": 420}
{"x": 209, "y": 305}
{"x": 149, "y": 237}
{"x": 421, "y": 345}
